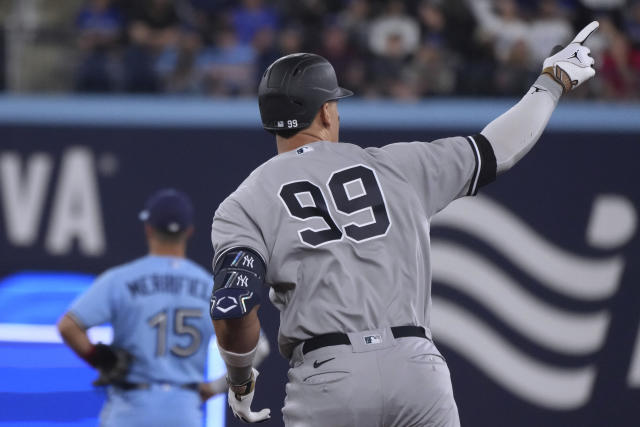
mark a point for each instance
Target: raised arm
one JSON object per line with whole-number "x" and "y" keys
{"x": 515, "y": 132}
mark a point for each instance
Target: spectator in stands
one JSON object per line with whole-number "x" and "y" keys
{"x": 251, "y": 17}
{"x": 99, "y": 24}
{"x": 202, "y": 16}
{"x": 549, "y": 28}
{"x": 514, "y": 75}
{"x": 435, "y": 64}
{"x": 393, "y": 38}
{"x": 515, "y": 40}
{"x": 335, "y": 47}
{"x": 432, "y": 21}
{"x": 266, "y": 52}
{"x": 434, "y": 70}
{"x": 356, "y": 77}
{"x": 227, "y": 68}
{"x": 355, "y": 20}
{"x": 2, "y": 60}
{"x": 632, "y": 23}
{"x": 587, "y": 9}
{"x": 310, "y": 16}
{"x": 456, "y": 15}
{"x": 621, "y": 64}
{"x": 471, "y": 55}
{"x": 503, "y": 26}
{"x": 384, "y": 48}
{"x": 394, "y": 33}
{"x": 389, "y": 70}
{"x": 153, "y": 30}
{"x": 176, "y": 67}
{"x": 290, "y": 40}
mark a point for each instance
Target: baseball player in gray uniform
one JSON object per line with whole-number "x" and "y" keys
{"x": 340, "y": 237}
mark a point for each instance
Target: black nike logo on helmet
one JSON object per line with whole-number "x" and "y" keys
{"x": 317, "y": 364}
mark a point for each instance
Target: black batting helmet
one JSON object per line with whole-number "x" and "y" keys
{"x": 293, "y": 89}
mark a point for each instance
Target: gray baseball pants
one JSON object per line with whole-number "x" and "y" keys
{"x": 380, "y": 381}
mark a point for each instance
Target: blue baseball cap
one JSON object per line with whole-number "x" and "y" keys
{"x": 168, "y": 210}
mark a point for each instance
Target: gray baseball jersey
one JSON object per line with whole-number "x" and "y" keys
{"x": 344, "y": 231}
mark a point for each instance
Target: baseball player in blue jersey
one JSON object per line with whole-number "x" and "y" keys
{"x": 339, "y": 235}
{"x": 158, "y": 307}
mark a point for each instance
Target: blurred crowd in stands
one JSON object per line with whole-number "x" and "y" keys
{"x": 404, "y": 50}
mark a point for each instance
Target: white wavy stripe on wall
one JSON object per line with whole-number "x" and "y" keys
{"x": 566, "y": 273}
{"x": 533, "y": 381}
{"x": 546, "y": 325}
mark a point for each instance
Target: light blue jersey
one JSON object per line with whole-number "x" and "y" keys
{"x": 158, "y": 307}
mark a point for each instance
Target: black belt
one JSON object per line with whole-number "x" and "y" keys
{"x": 124, "y": 385}
{"x": 338, "y": 338}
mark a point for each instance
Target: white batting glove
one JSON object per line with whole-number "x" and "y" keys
{"x": 240, "y": 398}
{"x": 572, "y": 66}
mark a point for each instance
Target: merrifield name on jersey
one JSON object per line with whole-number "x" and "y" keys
{"x": 168, "y": 284}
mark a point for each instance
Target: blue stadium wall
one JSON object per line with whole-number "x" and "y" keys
{"x": 536, "y": 290}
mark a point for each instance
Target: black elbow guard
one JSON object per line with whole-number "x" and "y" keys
{"x": 486, "y": 165}
{"x": 238, "y": 278}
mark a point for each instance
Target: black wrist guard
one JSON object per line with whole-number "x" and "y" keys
{"x": 240, "y": 390}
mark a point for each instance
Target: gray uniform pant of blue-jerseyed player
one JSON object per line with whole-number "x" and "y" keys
{"x": 161, "y": 405}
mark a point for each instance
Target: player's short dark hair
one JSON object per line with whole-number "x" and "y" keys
{"x": 167, "y": 237}
{"x": 286, "y": 134}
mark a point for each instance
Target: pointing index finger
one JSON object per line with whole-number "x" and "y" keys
{"x": 586, "y": 32}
